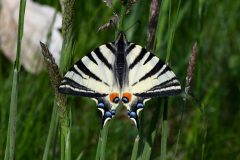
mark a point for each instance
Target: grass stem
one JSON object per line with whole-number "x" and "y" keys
{"x": 64, "y": 112}
{"x": 164, "y": 130}
{"x": 11, "y": 135}
{"x": 104, "y": 135}
{"x": 97, "y": 157}
{"x": 135, "y": 148}
{"x": 51, "y": 133}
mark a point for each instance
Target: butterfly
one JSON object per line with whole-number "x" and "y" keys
{"x": 120, "y": 72}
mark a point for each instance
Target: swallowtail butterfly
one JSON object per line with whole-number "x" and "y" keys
{"x": 120, "y": 72}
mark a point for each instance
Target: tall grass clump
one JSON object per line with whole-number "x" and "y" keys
{"x": 64, "y": 112}
{"x": 151, "y": 45}
{"x": 11, "y": 134}
{"x": 158, "y": 15}
{"x": 67, "y": 7}
{"x": 171, "y": 32}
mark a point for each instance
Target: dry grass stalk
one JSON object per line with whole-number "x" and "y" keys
{"x": 111, "y": 23}
{"x": 55, "y": 77}
{"x": 152, "y": 23}
{"x": 191, "y": 66}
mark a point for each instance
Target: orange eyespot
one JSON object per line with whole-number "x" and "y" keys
{"x": 128, "y": 96}
{"x": 114, "y": 97}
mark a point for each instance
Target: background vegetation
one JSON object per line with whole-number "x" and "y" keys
{"x": 210, "y": 125}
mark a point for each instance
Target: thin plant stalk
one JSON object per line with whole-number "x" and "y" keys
{"x": 122, "y": 16}
{"x": 54, "y": 117}
{"x": 180, "y": 131}
{"x": 135, "y": 148}
{"x": 151, "y": 38}
{"x": 172, "y": 30}
{"x": 55, "y": 78}
{"x": 64, "y": 112}
{"x": 146, "y": 151}
{"x": 98, "y": 147}
{"x": 102, "y": 142}
{"x": 68, "y": 142}
{"x": 190, "y": 71}
{"x": 11, "y": 136}
{"x": 152, "y": 135}
{"x": 79, "y": 157}
{"x": 164, "y": 130}
{"x": 52, "y": 131}
{"x": 161, "y": 23}
{"x": 104, "y": 135}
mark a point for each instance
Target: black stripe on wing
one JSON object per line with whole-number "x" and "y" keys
{"x": 149, "y": 58}
{"x": 166, "y": 93}
{"x": 153, "y": 71}
{"x": 71, "y": 87}
{"x": 76, "y": 72}
{"x": 138, "y": 58}
{"x": 81, "y": 66}
{"x": 110, "y": 47}
{"x": 102, "y": 58}
{"x": 167, "y": 88}
{"x": 92, "y": 58}
{"x": 130, "y": 48}
{"x": 166, "y": 84}
{"x": 166, "y": 69}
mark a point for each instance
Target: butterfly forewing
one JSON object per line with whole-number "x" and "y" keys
{"x": 91, "y": 76}
{"x": 148, "y": 75}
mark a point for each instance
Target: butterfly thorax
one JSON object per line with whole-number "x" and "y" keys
{"x": 120, "y": 65}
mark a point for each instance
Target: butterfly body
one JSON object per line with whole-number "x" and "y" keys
{"x": 120, "y": 72}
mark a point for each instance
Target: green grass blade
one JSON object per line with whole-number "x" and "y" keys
{"x": 9, "y": 152}
{"x": 62, "y": 144}
{"x": 146, "y": 151}
{"x": 151, "y": 135}
{"x": 102, "y": 142}
{"x": 67, "y": 7}
{"x": 68, "y": 138}
{"x": 161, "y": 23}
{"x": 104, "y": 135}
{"x": 11, "y": 136}
{"x": 180, "y": 129}
{"x": 20, "y": 32}
{"x": 65, "y": 135}
{"x": 51, "y": 133}
{"x": 135, "y": 148}
{"x": 172, "y": 30}
{"x": 164, "y": 131}
{"x": 98, "y": 147}
{"x": 79, "y": 157}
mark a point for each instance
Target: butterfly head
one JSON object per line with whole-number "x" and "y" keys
{"x": 121, "y": 38}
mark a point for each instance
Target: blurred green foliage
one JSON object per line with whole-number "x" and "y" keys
{"x": 211, "y": 118}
